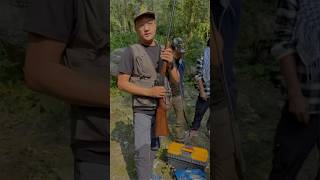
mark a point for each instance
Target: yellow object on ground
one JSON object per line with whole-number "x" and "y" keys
{"x": 190, "y": 154}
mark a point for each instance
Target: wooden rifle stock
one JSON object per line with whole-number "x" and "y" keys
{"x": 161, "y": 126}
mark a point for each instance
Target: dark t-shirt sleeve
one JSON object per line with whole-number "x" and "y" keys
{"x": 126, "y": 62}
{"x": 51, "y": 18}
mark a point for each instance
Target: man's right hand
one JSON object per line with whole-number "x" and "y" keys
{"x": 298, "y": 105}
{"x": 157, "y": 92}
{"x": 124, "y": 84}
{"x": 203, "y": 95}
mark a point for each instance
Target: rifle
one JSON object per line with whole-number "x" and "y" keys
{"x": 161, "y": 125}
{"x": 220, "y": 77}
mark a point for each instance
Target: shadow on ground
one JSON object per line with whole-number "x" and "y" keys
{"x": 123, "y": 134}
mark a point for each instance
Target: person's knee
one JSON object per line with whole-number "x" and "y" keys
{"x": 144, "y": 154}
{"x": 142, "y": 130}
{"x": 144, "y": 162}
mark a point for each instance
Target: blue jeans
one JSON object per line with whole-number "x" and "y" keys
{"x": 143, "y": 134}
{"x": 201, "y": 108}
{"x": 293, "y": 143}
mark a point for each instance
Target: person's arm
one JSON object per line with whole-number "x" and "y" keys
{"x": 199, "y": 79}
{"x": 125, "y": 85}
{"x": 289, "y": 71}
{"x": 43, "y": 72}
{"x": 174, "y": 74}
{"x": 167, "y": 55}
{"x": 123, "y": 79}
{"x": 298, "y": 104}
{"x": 182, "y": 67}
{"x": 202, "y": 92}
{"x": 284, "y": 51}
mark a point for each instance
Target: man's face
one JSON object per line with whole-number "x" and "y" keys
{"x": 146, "y": 29}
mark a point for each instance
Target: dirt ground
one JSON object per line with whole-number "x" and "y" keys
{"x": 122, "y": 134}
{"x": 34, "y": 136}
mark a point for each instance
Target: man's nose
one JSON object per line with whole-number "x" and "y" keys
{"x": 146, "y": 27}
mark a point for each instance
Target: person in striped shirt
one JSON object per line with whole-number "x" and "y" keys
{"x": 297, "y": 48}
{"x": 202, "y": 78}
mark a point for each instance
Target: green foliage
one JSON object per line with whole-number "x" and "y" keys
{"x": 119, "y": 40}
{"x": 191, "y": 22}
{"x": 253, "y": 57}
{"x": 10, "y": 72}
{"x": 256, "y": 32}
{"x": 194, "y": 50}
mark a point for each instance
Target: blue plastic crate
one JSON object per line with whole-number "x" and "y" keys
{"x": 190, "y": 174}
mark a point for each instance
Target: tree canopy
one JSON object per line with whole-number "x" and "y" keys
{"x": 191, "y": 22}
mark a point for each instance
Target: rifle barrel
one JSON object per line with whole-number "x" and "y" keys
{"x": 171, "y": 20}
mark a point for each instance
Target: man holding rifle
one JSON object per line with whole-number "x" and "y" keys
{"x": 138, "y": 73}
{"x": 178, "y": 90}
